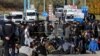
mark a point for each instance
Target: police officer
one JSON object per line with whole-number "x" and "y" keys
{"x": 31, "y": 29}
{"x": 21, "y": 34}
{"x": 50, "y": 28}
{"x": 41, "y": 29}
{"x": 9, "y": 37}
{"x": 1, "y": 28}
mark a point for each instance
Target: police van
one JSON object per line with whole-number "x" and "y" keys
{"x": 17, "y": 16}
{"x": 2, "y": 17}
{"x": 79, "y": 16}
{"x": 5, "y": 17}
{"x": 58, "y": 12}
{"x": 74, "y": 15}
{"x": 31, "y": 15}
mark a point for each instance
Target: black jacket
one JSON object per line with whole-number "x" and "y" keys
{"x": 1, "y": 28}
{"x": 41, "y": 50}
{"x": 9, "y": 29}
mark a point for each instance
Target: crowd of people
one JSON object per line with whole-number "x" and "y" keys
{"x": 59, "y": 38}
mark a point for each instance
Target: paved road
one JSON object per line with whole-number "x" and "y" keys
{"x": 77, "y": 55}
{"x": 97, "y": 54}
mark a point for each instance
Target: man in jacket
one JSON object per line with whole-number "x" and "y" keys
{"x": 41, "y": 50}
{"x": 1, "y": 28}
{"x": 9, "y": 37}
{"x": 21, "y": 34}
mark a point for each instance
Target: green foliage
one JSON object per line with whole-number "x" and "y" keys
{"x": 94, "y": 5}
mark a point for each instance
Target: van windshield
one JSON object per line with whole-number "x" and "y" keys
{"x": 60, "y": 10}
{"x": 1, "y": 17}
{"x": 31, "y": 14}
{"x": 70, "y": 17}
{"x": 17, "y": 16}
{"x": 8, "y": 17}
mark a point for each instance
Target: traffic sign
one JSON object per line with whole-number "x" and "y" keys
{"x": 44, "y": 14}
{"x": 84, "y": 9}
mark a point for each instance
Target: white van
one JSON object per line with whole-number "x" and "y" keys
{"x": 5, "y": 17}
{"x": 31, "y": 15}
{"x": 17, "y": 16}
{"x": 69, "y": 15}
{"x": 2, "y": 17}
{"x": 58, "y": 12}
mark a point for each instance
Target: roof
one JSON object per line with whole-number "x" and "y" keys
{"x": 31, "y": 10}
{"x": 16, "y": 12}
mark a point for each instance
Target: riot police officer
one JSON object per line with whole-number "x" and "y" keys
{"x": 41, "y": 30}
{"x": 1, "y": 28}
{"x": 9, "y": 37}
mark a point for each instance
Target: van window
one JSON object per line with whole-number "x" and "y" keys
{"x": 70, "y": 17}
{"x": 60, "y": 11}
{"x": 9, "y": 17}
{"x": 31, "y": 14}
{"x": 17, "y": 16}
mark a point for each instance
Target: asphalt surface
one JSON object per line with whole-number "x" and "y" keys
{"x": 97, "y": 54}
{"x": 76, "y": 55}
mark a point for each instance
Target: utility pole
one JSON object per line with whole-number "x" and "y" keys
{"x": 65, "y": 1}
{"x": 73, "y": 2}
{"x": 24, "y": 6}
{"x": 84, "y": 2}
{"x": 44, "y": 5}
{"x": 28, "y": 4}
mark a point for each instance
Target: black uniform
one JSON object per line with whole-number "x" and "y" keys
{"x": 21, "y": 35}
{"x": 1, "y": 28}
{"x": 41, "y": 50}
{"x": 9, "y": 31}
{"x": 50, "y": 29}
{"x": 31, "y": 30}
{"x": 41, "y": 30}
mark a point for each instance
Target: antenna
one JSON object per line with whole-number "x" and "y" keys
{"x": 84, "y": 2}
{"x": 44, "y": 5}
